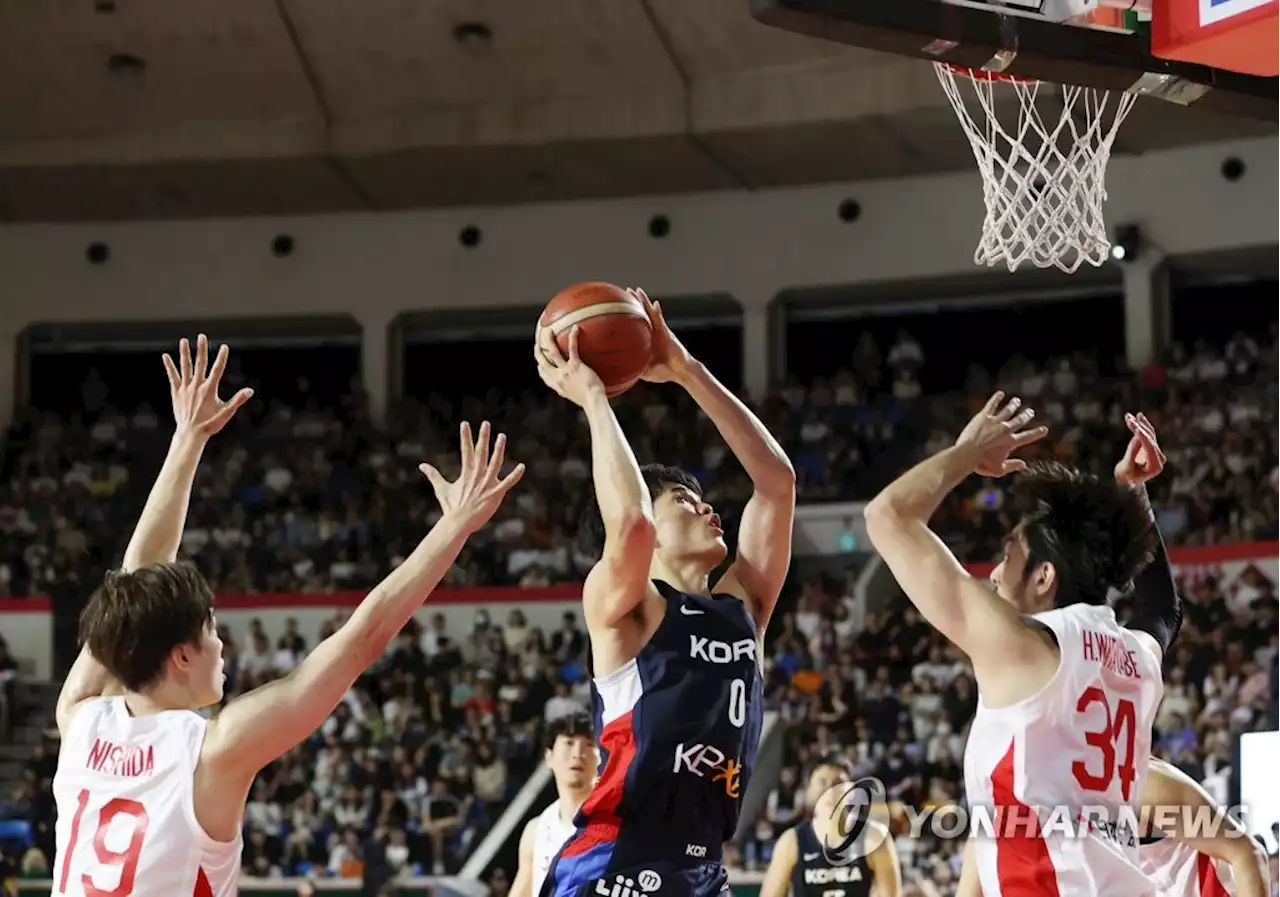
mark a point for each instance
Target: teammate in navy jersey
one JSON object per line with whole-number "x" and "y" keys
{"x": 677, "y": 689}
{"x": 811, "y": 860}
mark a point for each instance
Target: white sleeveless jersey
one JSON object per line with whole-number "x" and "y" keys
{"x": 549, "y": 834}
{"x": 1181, "y": 871}
{"x": 126, "y": 816}
{"x": 1039, "y": 770}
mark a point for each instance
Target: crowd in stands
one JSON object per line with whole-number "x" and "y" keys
{"x": 306, "y": 495}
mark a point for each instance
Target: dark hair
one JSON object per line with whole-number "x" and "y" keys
{"x": 659, "y": 478}
{"x": 133, "y": 621}
{"x": 571, "y": 725}
{"x": 1096, "y": 533}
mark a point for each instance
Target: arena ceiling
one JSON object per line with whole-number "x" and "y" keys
{"x": 134, "y": 109}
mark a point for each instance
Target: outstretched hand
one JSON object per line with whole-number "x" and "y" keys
{"x": 474, "y": 496}
{"x": 1143, "y": 460}
{"x": 193, "y": 387}
{"x": 997, "y": 431}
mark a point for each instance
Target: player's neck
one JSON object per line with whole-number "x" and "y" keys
{"x": 162, "y": 697}
{"x": 686, "y": 574}
{"x": 823, "y": 825}
{"x": 571, "y": 801}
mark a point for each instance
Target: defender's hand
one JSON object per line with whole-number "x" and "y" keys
{"x": 1143, "y": 460}
{"x": 193, "y": 387}
{"x": 997, "y": 431}
{"x": 474, "y": 496}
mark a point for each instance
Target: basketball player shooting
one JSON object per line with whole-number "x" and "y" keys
{"x": 677, "y": 691}
{"x": 572, "y": 758}
{"x": 1066, "y": 694}
{"x": 150, "y": 796}
{"x": 803, "y": 861}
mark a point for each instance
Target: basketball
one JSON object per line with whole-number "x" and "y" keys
{"x": 614, "y": 337}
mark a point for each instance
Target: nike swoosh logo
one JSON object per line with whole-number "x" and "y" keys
{"x": 690, "y": 611}
{"x": 810, "y": 857}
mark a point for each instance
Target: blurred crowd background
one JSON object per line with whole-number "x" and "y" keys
{"x": 304, "y": 494}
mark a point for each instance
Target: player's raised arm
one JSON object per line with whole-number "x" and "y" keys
{"x": 198, "y": 414}
{"x": 1157, "y": 608}
{"x": 1179, "y": 808}
{"x": 258, "y": 727}
{"x": 965, "y": 610}
{"x": 620, "y": 580}
{"x": 777, "y": 878}
{"x": 764, "y": 533}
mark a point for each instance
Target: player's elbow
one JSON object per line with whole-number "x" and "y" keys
{"x": 631, "y": 534}
{"x": 883, "y": 522}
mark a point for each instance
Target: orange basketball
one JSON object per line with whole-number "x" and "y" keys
{"x": 615, "y": 335}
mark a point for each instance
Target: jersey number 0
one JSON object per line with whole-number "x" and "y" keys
{"x": 125, "y": 860}
{"x": 1116, "y": 735}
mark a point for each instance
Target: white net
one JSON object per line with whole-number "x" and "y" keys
{"x": 1043, "y": 184}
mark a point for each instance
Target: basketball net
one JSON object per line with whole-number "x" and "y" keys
{"x": 1043, "y": 182}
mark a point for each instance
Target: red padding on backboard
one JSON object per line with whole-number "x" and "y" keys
{"x": 1238, "y": 35}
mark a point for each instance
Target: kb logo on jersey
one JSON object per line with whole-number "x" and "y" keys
{"x": 859, "y": 820}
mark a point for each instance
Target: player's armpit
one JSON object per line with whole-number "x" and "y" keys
{"x": 1167, "y": 795}
{"x": 777, "y": 879}
{"x": 522, "y": 884}
{"x": 760, "y": 568}
{"x": 886, "y": 870}
{"x": 965, "y": 610}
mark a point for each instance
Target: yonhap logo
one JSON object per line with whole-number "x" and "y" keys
{"x": 857, "y": 815}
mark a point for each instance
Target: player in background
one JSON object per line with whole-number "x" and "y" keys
{"x": 804, "y": 861}
{"x": 1190, "y": 860}
{"x": 1066, "y": 694}
{"x": 677, "y": 691}
{"x": 571, "y": 756}
{"x": 150, "y": 796}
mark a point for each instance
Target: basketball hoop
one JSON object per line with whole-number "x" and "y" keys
{"x": 1043, "y": 185}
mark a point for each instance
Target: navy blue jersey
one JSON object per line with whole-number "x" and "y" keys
{"x": 815, "y": 876}
{"x": 678, "y": 729}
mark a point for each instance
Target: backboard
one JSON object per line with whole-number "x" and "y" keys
{"x": 1027, "y": 41}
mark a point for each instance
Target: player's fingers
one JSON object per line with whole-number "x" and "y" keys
{"x": 993, "y": 403}
{"x": 171, "y": 371}
{"x": 481, "y": 457}
{"x": 505, "y": 484}
{"x": 202, "y": 357}
{"x": 1009, "y": 410}
{"x": 184, "y": 358}
{"x": 1029, "y": 436}
{"x": 464, "y": 436}
{"x": 1022, "y": 419}
{"x": 1013, "y": 465}
{"x": 496, "y": 459}
{"x": 435, "y": 478}
{"x": 219, "y": 366}
{"x": 574, "y": 336}
{"x": 227, "y": 411}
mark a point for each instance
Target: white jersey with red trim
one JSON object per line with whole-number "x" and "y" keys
{"x": 126, "y": 813}
{"x": 549, "y": 834}
{"x": 1181, "y": 871}
{"x": 1039, "y": 769}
